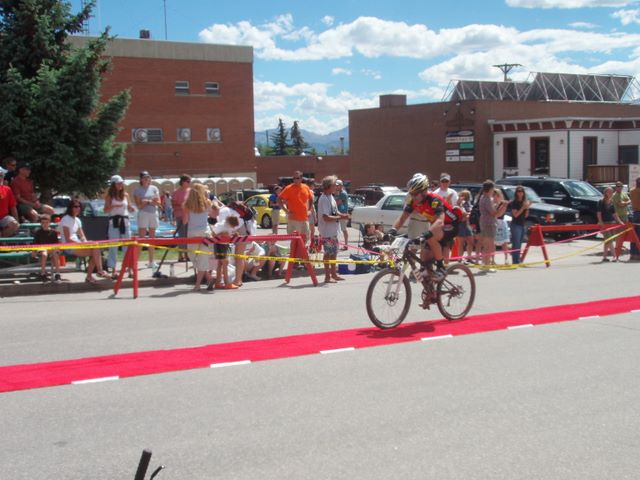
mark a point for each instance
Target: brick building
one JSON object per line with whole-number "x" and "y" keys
{"x": 557, "y": 124}
{"x": 191, "y": 109}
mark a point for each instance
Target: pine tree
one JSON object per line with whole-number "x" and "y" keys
{"x": 49, "y": 91}
{"x": 298, "y": 144}
{"x": 279, "y": 139}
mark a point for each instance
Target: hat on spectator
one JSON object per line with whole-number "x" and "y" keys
{"x": 445, "y": 177}
{"x": 2, "y": 171}
{"x": 339, "y": 182}
{"x": 116, "y": 179}
{"x": 144, "y": 173}
{"x": 24, "y": 165}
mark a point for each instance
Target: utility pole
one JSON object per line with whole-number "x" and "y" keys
{"x": 506, "y": 68}
{"x": 165, "y": 18}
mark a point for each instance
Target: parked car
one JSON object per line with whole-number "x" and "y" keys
{"x": 241, "y": 195}
{"x": 540, "y": 212}
{"x": 384, "y": 213}
{"x": 372, "y": 193}
{"x": 95, "y": 219}
{"x": 566, "y": 192}
{"x": 264, "y": 214}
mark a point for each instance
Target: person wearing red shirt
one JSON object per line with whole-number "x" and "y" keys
{"x": 443, "y": 218}
{"x": 297, "y": 201}
{"x": 28, "y": 204}
{"x": 8, "y": 211}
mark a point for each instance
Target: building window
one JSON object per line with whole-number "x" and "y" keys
{"x": 182, "y": 87}
{"x": 212, "y": 88}
{"x": 510, "y": 153}
{"x": 146, "y": 135}
{"x": 183, "y": 134}
{"x": 214, "y": 135}
{"x": 627, "y": 154}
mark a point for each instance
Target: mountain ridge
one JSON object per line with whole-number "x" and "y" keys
{"x": 323, "y": 143}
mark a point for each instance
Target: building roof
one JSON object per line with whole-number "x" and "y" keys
{"x": 162, "y": 49}
{"x": 549, "y": 87}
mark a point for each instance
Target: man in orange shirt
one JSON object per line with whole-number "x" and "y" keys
{"x": 297, "y": 200}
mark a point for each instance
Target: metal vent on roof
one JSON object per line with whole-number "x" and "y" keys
{"x": 183, "y": 134}
{"x": 146, "y": 135}
{"x": 214, "y": 135}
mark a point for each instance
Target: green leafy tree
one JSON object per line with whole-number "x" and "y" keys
{"x": 51, "y": 115}
{"x": 279, "y": 140}
{"x": 265, "y": 150}
{"x": 298, "y": 145}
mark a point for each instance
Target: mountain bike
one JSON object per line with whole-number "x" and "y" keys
{"x": 389, "y": 293}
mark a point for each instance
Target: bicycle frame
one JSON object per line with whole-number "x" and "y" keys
{"x": 408, "y": 259}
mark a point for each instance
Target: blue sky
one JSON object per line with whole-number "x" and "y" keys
{"x": 313, "y": 61}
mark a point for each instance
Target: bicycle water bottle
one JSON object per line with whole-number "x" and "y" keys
{"x": 172, "y": 271}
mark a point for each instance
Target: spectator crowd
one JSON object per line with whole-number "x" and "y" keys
{"x": 479, "y": 223}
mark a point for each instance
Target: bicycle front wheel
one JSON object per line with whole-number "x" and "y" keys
{"x": 388, "y": 298}
{"x": 456, "y": 292}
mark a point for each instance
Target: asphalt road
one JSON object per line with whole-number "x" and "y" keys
{"x": 549, "y": 402}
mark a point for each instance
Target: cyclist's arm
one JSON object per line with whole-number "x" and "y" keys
{"x": 401, "y": 219}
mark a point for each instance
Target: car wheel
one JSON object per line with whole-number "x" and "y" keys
{"x": 265, "y": 222}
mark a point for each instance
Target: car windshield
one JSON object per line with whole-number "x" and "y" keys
{"x": 581, "y": 189}
{"x": 532, "y": 196}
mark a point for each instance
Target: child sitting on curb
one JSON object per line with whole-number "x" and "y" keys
{"x": 45, "y": 236}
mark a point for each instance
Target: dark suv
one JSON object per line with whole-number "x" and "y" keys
{"x": 539, "y": 211}
{"x": 576, "y": 194}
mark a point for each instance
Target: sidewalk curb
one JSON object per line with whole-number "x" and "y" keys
{"x": 34, "y": 288}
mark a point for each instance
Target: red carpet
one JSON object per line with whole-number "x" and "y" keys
{"x": 39, "y": 375}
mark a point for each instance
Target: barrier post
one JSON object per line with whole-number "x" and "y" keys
{"x": 135, "y": 254}
{"x": 126, "y": 263}
{"x": 630, "y": 236}
{"x": 536, "y": 239}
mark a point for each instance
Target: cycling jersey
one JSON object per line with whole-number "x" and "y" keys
{"x": 432, "y": 207}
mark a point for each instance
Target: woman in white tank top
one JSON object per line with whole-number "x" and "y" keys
{"x": 116, "y": 204}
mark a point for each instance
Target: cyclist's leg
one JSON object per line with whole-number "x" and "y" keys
{"x": 434, "y": 240}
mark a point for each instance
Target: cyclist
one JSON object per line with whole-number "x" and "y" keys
{"x": 442, "y": 219}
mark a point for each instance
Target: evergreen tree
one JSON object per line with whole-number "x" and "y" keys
{"x": 279, "y": 139}
{"x": 49, "y": 91}
{"x": 298, "y": 145}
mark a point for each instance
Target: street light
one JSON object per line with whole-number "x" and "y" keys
{"x": 341, "y": 145}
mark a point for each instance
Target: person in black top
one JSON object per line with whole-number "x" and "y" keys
{"x": 45, "y": 236}
{"x": 519, "y": 208}
{"x": 606, "y": 217}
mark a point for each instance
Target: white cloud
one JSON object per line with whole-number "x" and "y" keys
{"x": 369, "y": 36}
{"x": 627, "y": 17}
{"x": 328, "y": 20}
{"x": 465, "y": 52}
{"x": 567, "y": 3}
{"x": 340, "y": 71}
{"x": 586, "y": 25}
{"x": 311, "y": 102}
{"x": 376, "y": 75}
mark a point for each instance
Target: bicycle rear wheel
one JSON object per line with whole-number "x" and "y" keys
{"x": 388, "y": 298}
{"x": 456, "y": 292}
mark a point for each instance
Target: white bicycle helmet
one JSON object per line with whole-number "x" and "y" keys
{"x": 418, "y": 183}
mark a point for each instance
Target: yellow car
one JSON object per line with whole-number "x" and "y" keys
{"x": 264, "y": 213}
